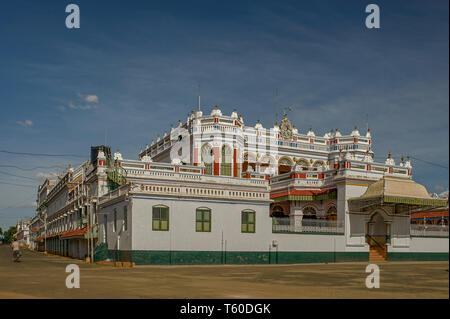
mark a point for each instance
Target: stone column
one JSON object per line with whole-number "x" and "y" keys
{"x": 388, "y": 233}
{"x": 296, "y": 217}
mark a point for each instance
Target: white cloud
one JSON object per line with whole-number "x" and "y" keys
{"x": 26, "y": 123}
{"x": 49, "y": 175}
{"x": 91, "y": 98}
{"x": 82, "y": 107}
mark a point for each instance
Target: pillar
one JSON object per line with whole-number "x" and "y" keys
{"x": 295, "y": 219}
{"x": 216, "y": 161}
{"x": 388, "y": 233}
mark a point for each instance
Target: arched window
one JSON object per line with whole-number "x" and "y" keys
{"x": 284, "y": 165}
{"x": 207, "y": 158}
{"x": 309, "y": 213}
{"x": 248, "y": 221}
{"x": 225, "y": 165}
{"x": 332, "y": 213}
{"x": 318, "y": 165}
{"x": 277, "y": 211}
{"x": 160, "y": 217}
{"x": 203, "y": 219}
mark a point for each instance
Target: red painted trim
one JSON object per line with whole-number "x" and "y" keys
{"x": 195, "y": 156}
{"x": 216, "y": 161}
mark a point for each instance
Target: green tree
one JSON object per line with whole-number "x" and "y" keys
{"x": 8, "y": 235}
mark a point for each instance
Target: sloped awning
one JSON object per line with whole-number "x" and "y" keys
{"x": 404, "y": 194}
{"x": 76, "y": 233}
{"x": 304, "y": 195}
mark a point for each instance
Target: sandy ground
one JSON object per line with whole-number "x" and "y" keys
{"x": 44, "y": 276}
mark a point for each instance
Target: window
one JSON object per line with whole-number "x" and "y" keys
{"x": 248, "y": 221}
{"x": 125, "y": 218}
{"x": 115, "y": 221}
{"x": 203, "y": 220}
{"x": 160, "y": 218}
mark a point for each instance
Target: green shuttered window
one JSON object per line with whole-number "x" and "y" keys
{"x": 160, "y": 218}
{"x": 203, "y": 220}
{"x": 248, "y": 221}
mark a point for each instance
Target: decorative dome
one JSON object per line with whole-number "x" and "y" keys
{"x": 355, "y": 132}
{"x": 153, "y": 142}
{"x": 408, "y": 163}
{"x": 101, "y": 154}
{"x": 118, "y": 155}
{"x": 390, "y": 160}
{"x": 241, "y": 118}
{"x": 276, "y": 128}
{"x": 310, "y": 133}
{"x": 234, "y": 114}
{"x": 199, "y": 114}
{"x": 258, "y": 125}
{"x": 368, "y": 133}
{"x": 294, "y": 130}
{"x": 216, "y": 111}
{"x": 337, "y": 134}
{"x": 327, "y": 135}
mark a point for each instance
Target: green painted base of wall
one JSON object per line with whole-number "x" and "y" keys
{"x": 417, "y": 256}
{"x": 162, "y": 257}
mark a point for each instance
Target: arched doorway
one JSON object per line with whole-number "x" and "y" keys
{"x": 207, "y": 158}
{"x": 284, "y": 165}
{"x": 377, "y": 230}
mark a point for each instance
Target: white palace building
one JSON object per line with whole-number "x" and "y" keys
{"x": 215, "y": 191}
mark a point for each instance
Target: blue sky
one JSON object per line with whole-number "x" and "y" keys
{"x": 133, "y": 68}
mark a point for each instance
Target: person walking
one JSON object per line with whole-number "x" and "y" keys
{"x": 16, "y": 250}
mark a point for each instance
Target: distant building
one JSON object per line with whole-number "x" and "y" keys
{"x": 23, "y": 232}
